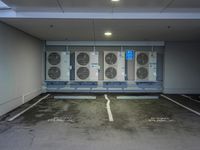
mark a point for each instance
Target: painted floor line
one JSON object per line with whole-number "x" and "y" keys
{"x": 22, "y": 112}
{"x": 190, "y": 98}
{"x": 196, "y": 112}
{"x": 75, "y": 97}
{"x": 110, "y": 116}
{"x": 138, "y": 97}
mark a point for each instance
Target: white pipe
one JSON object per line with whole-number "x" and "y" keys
{"x": 110, "y": 116}
{"x": 19, "y": 114}
{"x": 197, "y": 113}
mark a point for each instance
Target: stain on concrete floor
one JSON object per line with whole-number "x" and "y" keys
{"x": 83, "y": 124}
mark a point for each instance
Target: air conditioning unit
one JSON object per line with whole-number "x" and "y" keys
{"x": 146, "y": 66}
{"x": 114, "y": 66}
{"x": 86, "y": 66}
{"x": 57, "y": 66}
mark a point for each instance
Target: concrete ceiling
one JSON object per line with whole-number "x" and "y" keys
{"x": 105, "y": 5}
{"x": 128, "y": 20}
{"x": 123, "y": 30}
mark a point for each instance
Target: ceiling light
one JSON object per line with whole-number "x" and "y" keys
{"x": 115, "y": 0}
{"x": 107, "y": 33}
{"x": 3, "y": 5}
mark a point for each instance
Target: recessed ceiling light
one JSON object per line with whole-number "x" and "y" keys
{"x": 108, "y": 33}
{"x": 115, "y": 0}
{"x": 3, "y": 5}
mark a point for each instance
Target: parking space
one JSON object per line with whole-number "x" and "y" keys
{"x": 84, "y": 125}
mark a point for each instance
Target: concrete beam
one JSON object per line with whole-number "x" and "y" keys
{"x": 100, "y": 15}
{"x": 106, "y": 43}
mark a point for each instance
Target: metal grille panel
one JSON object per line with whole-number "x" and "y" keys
{"x": 54, "y": 73}
{"x": 54, "y": 59}
{"x": 111, "y": 73}
{"x": 83, "y": 73}
{"x": 142, "y": 73}
{"x": 111, "y": 59}
{"x": 142, "y": 59}
{"x": 83, "y": 59}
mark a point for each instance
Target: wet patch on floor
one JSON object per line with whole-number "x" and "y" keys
{"x": 50, "y": 110}
{"x": 20, "y": 108}
{"x": 152, "y": 115}
{"x": 81, "y": 113}
{"x": 54, "y": 123}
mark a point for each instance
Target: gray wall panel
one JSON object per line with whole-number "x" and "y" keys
{"x": 182, "y": 67}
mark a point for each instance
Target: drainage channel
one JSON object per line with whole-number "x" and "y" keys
{"x": 181, "y": 105}
{"x": 25, "y": 110}
{"x": 190, "y": 98}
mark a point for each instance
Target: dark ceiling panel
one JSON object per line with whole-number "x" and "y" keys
{"x": 123, "y": 30}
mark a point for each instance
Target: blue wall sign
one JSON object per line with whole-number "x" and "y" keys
{"x": 130, "y": 54}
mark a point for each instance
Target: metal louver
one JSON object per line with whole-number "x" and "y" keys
{"x": 83, "y": 59}
{"x": 146, "y": 66}
{"x": 114, "y": 65}
{"x": 86, "y": 66}
{"x": 111, "y": 73}
{"x": 54, "y": 73}
{"x": 54, "y": 59}
{"x": 57, "y": 65}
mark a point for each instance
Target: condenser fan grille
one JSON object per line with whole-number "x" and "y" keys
{"x": 83, "y": 59}
{"x": 54, "y": 73}
{"x": 111, "y": 59}
{"x": 142, "y": 59}
{"x": 142, "y": 73}
{"x": 111, "y": 73}
{"x": 83, "y": 73}
{"x": 54, "y": 59}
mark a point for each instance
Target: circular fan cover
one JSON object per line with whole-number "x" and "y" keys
{"x": 142, "y": 73}
{"x": 83, "y": 73}
{"x": 111, "y": 73}
{"x": 142, "y": 59}
{"x": 54, "y": 59}
{"x": 111, "y": 59}
{"x": 83, "y": 59}
{"x": 54, "y": 73}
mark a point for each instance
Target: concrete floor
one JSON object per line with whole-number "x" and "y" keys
{"x": 84, "y": 125}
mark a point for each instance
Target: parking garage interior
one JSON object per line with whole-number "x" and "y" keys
{"x": 109, "y": 74}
